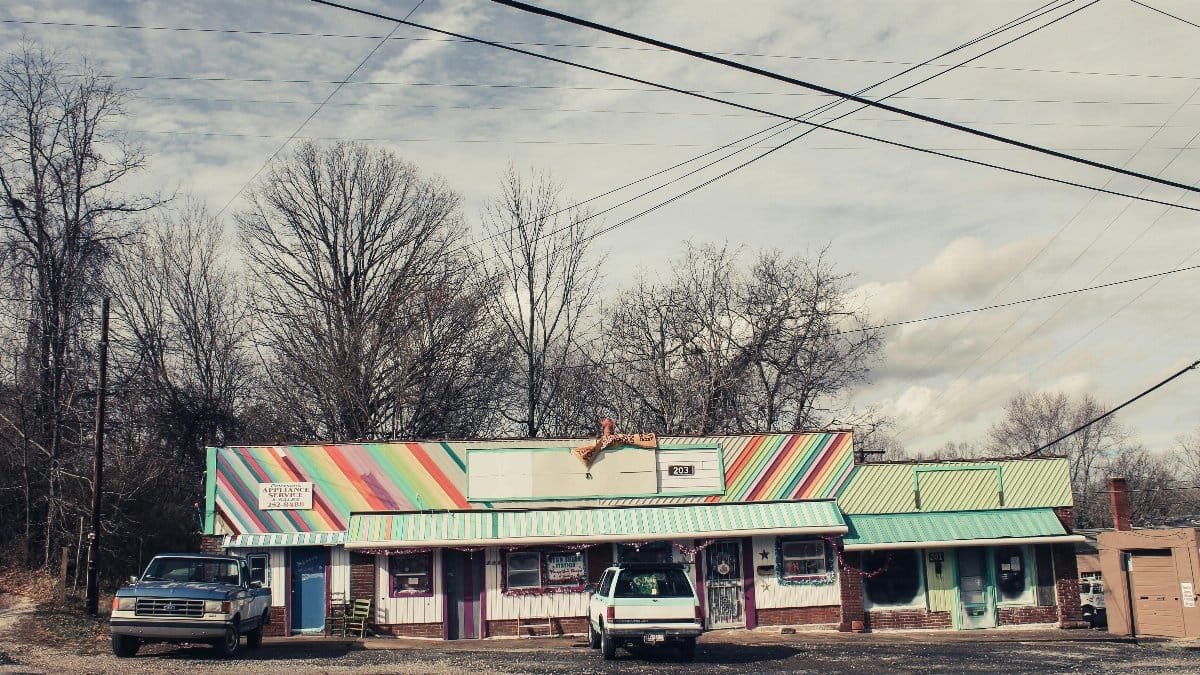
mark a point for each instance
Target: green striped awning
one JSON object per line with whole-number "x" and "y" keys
{"x": 955, "y": 528}
{"x": 283, "y": 539}
{"x": 580, "y": 525}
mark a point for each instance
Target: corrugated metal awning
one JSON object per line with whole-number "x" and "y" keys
{"x": 283, "y": 539}
{"x": 580, "y": 525}
{"x": 955, "y": 529}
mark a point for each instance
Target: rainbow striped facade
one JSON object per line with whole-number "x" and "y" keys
{"x": 403, "y": 476}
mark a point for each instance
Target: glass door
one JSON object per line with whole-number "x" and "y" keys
{"x": 976, "y": 602}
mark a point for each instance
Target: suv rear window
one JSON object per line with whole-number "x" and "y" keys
{"x": 666, "y": 583}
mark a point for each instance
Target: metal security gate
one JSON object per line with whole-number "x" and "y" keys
{"x": 723, "y": 585}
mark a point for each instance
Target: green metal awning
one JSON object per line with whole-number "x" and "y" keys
{"x": 598, "y": 524}
{"x": 283, "y": 539}
{"x": 955, "y": 529}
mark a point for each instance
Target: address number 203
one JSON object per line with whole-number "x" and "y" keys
{"x": 681, "y": 470}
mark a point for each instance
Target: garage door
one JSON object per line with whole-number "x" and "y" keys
{"x": 1157, "y": 606}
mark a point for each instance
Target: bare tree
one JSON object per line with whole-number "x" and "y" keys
{"x": 61, "y": 162}
{"x": 357, "y": 271}
{"x": 546, "y": 283}
{"x": 722, "y": 348}
{"x": 1034, "y": 419}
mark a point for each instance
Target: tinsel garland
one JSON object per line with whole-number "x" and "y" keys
{"x": 544, "y": 590}
{"x": 865, "y": 574}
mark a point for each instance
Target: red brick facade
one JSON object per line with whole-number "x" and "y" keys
{"x": 211, "y": 543}
{"x": 798, "y": 616}
{"x": 1066, "y": 586}
{"x": 362, "y": 576}
{"x": 576, "y": 625}
{"x": 1013, "y": 616}
{"x": 850, "y": 582}
{"x": 422, "y": 630}
{"x": 909, "y": 619}
{"x": 278, "y": 625}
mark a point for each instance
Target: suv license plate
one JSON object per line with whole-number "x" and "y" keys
{"x": 653, "y": 638}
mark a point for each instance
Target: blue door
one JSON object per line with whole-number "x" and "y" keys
{"x": 308, "y": 589}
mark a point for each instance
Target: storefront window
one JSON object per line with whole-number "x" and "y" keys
{"x": 900, "y": 584}
{"x": 654, "y": 552}
{"x": 411, "y": 574}
{"x": 1012, "y": 574}
{"x": 259, "y": 568}
{"x": 523, "y": 569}
{"x": 803, "y": 558}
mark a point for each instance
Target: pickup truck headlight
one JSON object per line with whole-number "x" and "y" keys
{"x": 123, "y": 604}
{"x": 216, "y": 607}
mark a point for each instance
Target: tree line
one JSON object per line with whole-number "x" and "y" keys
{"x": 351, "y": 297}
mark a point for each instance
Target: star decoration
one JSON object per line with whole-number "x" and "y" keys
{"x": 764, "y": 586}
{"x": 764, "y": 554}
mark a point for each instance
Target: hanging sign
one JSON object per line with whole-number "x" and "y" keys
{"x": 564, "y": 568}
{"x": 290, "y": 496}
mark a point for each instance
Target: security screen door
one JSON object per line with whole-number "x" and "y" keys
{"x": 976, "y": 601}
{"x": 723, "y": 584}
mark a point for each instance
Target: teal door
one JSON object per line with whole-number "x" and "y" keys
{"x": 308, "y": 590}
{"x": 976, "y": 601}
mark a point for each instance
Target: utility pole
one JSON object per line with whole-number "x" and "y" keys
{"x": 91, "y": 604}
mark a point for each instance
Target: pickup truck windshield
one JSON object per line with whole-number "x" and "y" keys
{"x": 186, "y": 570}
{"x": 668, "y": 583}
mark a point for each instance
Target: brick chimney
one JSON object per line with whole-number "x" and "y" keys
{"x": 1119, "y": 498}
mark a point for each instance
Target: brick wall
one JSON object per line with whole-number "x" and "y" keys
{"x": 850, "y": 582}
{"x": 362, "y": 576}
{"x": 278, "y": 625}
{"x": 797, "y": 616}
{"x": 909, "y": 619}
{"x": 423, "y": 630}
{"x": 1066, "y": 516}
{"x": 211, "y": 543}
{"x": 576, "y": 625}
{"x": 1066, "y": 586}
{"x": 1012, "y": 616}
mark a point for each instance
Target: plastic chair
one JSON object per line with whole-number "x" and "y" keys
{"x": 359, "y": 617}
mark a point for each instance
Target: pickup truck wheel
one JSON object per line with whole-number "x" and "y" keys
{"x": 125, "y": 646}
{"x": 254, "y": 637}
{"x": 227, "y": 646}
{"x": 608, "y": 648}
{"x": 687, "y": 650}
{"x": 593, "y": 637}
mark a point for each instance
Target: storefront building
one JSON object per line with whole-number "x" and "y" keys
{"x": 478, "y": 539}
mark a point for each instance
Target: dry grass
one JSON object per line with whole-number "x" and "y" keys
{"x": 57, "y": 622}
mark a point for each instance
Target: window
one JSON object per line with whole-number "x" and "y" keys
{"x": 666, "y": 583}
{"x": 411, "y": 574}
{"x": 564, "y": 568}
{"x": 604, "y": 587}
{"x": 803, "y": 558}
{"x": 202, "y": 570}
{"x": 1013, "y": 582}
{"x": 524, "y": 569}
{"x": 899, "y": 585}
{"x": 260, "y": 568}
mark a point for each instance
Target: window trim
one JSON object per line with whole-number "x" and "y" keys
{"x": 266, "y": 556}
{"x": 829, "y": 576}
{"x": 544, "y": 585}
{"x": 402, "y": 593}
{"x": 920, "y": 598}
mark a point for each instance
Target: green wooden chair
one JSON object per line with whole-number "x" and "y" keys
{"x": 359, "y": 617}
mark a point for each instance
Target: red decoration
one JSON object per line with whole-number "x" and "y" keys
{"x": 587, "y": 453}
{"x": 845, "y": 565}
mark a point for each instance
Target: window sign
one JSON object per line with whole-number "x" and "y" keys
{"x": 290, "y": 496}
{"x": 564, "y": 569}
{"x": 411, "y": 574}
{"x": 803, "y": 558}
{"x": 1012, "y": 579}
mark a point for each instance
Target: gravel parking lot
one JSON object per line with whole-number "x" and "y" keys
{"x": 723, "y": 652}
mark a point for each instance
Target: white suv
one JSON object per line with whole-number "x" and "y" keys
{"x": 644, "y": 603}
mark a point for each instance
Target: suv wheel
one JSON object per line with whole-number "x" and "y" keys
{"x": 593, "y": 636}
{"x": 125, "y": 646}
{"x": 608, "y": 648}
{"x": 227, "y": 646}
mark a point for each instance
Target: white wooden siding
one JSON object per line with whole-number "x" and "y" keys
{"x": 277, "y": 562}
{"x": 707, "y": 477}
{"x": 549, "y": 474}
{"x": 420, "y": 609}
{"x": 339, "y": 572}
{"x": 501, "y": 606}
{"x": 770, "y": 594}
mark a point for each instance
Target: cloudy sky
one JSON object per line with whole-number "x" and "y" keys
{"x": 921, "y": 235}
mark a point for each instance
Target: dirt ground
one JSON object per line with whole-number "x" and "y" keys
{"x": 28, "y": 644}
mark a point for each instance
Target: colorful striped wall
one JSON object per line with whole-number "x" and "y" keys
{"x": 358, "y": 477}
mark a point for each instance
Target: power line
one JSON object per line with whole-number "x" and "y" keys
{"x": 694, "y": 94}
{"x": 827, "y": 59}
{"x": 316, "y": 110}
{"x": 834, "y": 92}
{"x": 1155, "y": 9}
{"x": 1085, "y": 425}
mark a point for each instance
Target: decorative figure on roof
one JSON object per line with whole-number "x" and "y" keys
{"x": 609, "y": 439}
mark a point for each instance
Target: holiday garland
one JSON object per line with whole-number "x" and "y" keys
{"x": 864, "y": 573}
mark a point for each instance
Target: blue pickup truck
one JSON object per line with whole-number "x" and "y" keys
{"x": 191, "y": 597}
